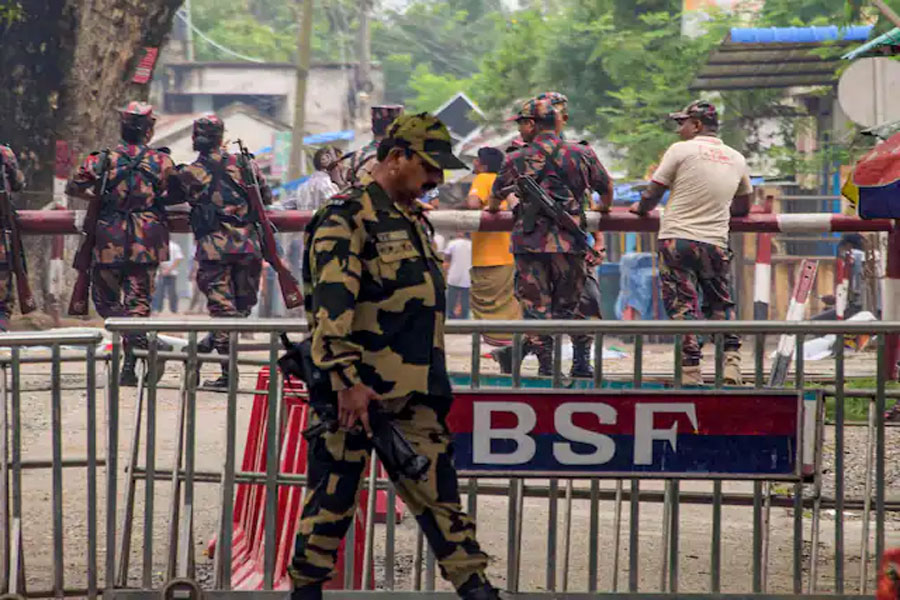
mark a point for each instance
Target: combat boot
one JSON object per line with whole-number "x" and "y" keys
{"x": 127, "y": 377}
{"x": 485, "y": 592}
{"x": 204, "y": 346}
{"x": 545, "y": 360}
{"x": 581, "y": 361}
{"x": 732, "y": 371}
{"x": 691, "y": 375}
{"x": 504, "y": 358}
{"x": 309, "y": 592}
{"x": 221, "y": 383}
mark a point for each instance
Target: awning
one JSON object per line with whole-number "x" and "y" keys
{"x": 777, "y": 57}
{"x": 884, "y": 45}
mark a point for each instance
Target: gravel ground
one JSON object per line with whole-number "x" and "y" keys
{"x": 695, "y": 520}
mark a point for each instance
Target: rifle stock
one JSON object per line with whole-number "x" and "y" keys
{"x": 16, "y": 251}
{"x": 78, "y": 304}
{"x": 290, "y": 289}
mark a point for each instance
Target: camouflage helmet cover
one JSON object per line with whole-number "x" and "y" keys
{"x": 425, "y": 135}
{"x": 559, "y": 101}
{"x": 209, "y": 126}
{"x": 537, "y": 110}
{"x": 137, "y": 113}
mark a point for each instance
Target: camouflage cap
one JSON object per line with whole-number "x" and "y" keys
{"x": 137, "y": 109}
{"x": 559, "y": 101}
{"x": 538, "y": 110}
{"x": 703, "y": 111}
{"x": 383, "y": 116}
{"x": 209, "y": 126}
{"x": 426, "y": 136}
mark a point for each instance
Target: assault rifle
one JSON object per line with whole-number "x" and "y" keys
{"x": 393, "y": 449}
{"x": 290, "y": 290}
{"x": 15, "y": 251}
{"x": 78, "y": 304}
{"x": 537, "y": 201}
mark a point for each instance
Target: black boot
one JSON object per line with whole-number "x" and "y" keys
{"x": 482, "y": 592}
{"x": 504, "y": 357}
{"x": 310, "y": 592}
{"x": 127, "y": 377}
{"x": 545, "y": 360}
{"x": 221, "y": 383}
{"x": 204, "y": 346}
{"x": 581, "y": 361}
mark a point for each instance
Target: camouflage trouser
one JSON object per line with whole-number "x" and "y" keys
{"x": 124, "y": 291}
{"x": 549, "y": 286}
{"x": 337, "y": 463}
{"x": 231, "y": 288}
{"x": 6, "y": 297}
{"x": 688, "y": 269}
{"x": 589, "y": 304}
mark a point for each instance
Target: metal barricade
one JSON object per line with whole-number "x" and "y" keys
{"x": 562, "y": 535}
{"x": 36, "y": 525}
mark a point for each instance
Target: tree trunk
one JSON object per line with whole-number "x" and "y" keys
{"x": 65, "y": 66}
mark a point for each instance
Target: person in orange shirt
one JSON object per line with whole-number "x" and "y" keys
{"x": 493, "y": 266}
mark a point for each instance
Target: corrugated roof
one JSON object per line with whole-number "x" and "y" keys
{"x": 799, "y": 35}
{"x": 887, "y": 44}
{"x": 777, "y": 57}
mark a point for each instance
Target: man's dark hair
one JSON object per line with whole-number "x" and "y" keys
{"x": 323, "y": 159}
{"x": 854, "y": 240}
{"x": 491, "y": 159}
{"x": 134, "y": 134}
{"x": 388, "y": 144}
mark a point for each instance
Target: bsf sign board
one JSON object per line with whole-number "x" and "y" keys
{"x": 652, "y": 434}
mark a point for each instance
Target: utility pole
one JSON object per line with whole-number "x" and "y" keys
{"x": 364, "y": 68}
{"x": 304, "y": 42}
{"x": 887, "y": 11}
{"x": 189, "y": 35}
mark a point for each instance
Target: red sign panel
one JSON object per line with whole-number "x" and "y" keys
{"x": 145, "y": 66}
{"x": 716, "y": 434}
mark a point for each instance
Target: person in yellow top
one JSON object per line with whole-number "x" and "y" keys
{"x": 493, "y": 266}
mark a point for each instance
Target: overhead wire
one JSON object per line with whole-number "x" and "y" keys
{"x": 214, "y": 43}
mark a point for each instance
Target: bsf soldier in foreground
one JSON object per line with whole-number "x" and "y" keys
{"x": 710, "y": 184}
{"x": 550, "y": 267}
{"x": 131, "y": 235}
{"x": 13, "y": 180}
{"x": 228, "y": 255}
{"x": 375, "y": 299}
{"x": 359, "y": 164}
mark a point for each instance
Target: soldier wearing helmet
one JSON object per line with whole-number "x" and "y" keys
{"x": 550, "y": 267}
{"x": 228, "y": 254}
{"x": 358, "y": 165}
{"x": 131, "y": 235}
{"x": 709, "y": 184}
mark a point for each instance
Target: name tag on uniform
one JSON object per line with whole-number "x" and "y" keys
{"x": 393, "y": 236}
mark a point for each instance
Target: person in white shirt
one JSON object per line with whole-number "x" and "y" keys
{"x": 458, "y": 258}
{"x": 167, "y": 279}
{"x": 709, "y": 184}
{"x": 320, "y": 186}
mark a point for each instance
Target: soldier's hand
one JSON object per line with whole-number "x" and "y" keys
{"x": 637, "y": 209}
{"x": 353, "y": 406}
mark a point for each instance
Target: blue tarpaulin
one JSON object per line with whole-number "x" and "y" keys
{"x": 799, "y": 35}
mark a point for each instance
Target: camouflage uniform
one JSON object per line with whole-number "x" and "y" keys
{"x": 550, "y": 268}
{"x": 358, "y": 165}
{"x": 375, "y": 299}
{"x": 132, "y": 235}
{"x": 687, "y": 269}
{"x": 15, "y": 181}
{"x": 229, "y": 257}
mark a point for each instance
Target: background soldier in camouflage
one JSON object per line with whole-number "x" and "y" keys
{"x": 15, "y": 181}
{"x": 375, "y": 297}
{"x": 550, "y": 268}
{"x": 228, "y": 253}
{"x": 359, "y": 164}
{"x": 710, "y": 184}
{"x": 132, "y": 235}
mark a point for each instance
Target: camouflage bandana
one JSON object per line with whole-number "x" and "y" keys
{"x": 383, "y": 116}
{"x": 426, "y": 136}
{"x": 703, "y": 111}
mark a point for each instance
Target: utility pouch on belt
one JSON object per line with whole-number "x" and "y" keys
{"x": 204, "y": 219}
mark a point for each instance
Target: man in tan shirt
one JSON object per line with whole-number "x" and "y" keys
{"x": 709, "y": 184}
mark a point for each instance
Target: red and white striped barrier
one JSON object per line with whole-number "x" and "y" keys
{"x": 796, "y": 312}
{"x": 842, "y": 274}
{"x": 37, "y": 222}
{"x": 762, "y": 277}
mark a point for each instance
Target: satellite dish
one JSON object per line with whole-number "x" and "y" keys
{"x": 868, "y": 91}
